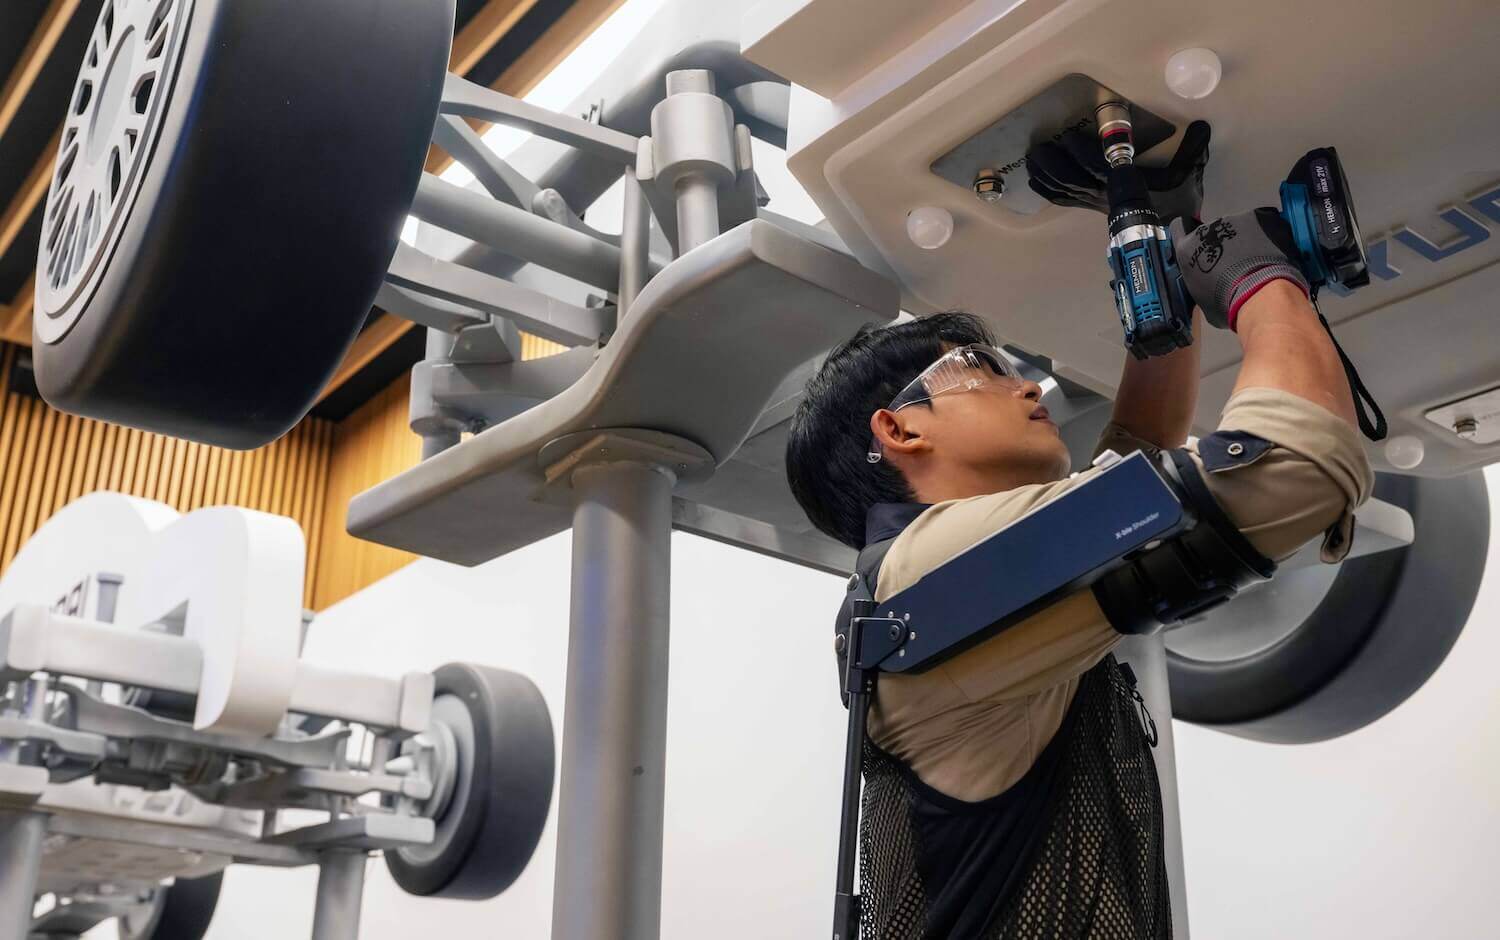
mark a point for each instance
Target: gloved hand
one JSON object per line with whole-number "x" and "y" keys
{"x": 1071, "y": 172}
{"x": 1226, "y": 261}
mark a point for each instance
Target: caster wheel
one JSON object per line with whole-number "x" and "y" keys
{"x": 495, "y": 735}
{"x": 230, "y": 185}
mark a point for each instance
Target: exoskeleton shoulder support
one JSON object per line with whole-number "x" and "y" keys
{"x": 1145, "y": 534}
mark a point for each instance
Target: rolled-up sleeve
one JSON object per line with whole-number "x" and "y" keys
{"x": 1309, "y": 482}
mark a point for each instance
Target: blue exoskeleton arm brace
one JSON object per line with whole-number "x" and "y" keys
{"x": 1145, "y": 534}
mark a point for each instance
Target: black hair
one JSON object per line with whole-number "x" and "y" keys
{"x": 826, "y": 463}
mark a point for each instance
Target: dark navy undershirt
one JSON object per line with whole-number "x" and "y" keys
{"x": 888, "y": 520}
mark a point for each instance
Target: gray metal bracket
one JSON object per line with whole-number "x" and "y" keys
{"x": 310, "y": 788}
{"x": 499, "y": 178}
{"x": 686, "y": 461}
{"x": 534, "y": 312}
{"x": 477, "y": 395}
{"x": 99, "y": 719}
{"x": 372, "y": 833}
{"x": 466, "y": 99}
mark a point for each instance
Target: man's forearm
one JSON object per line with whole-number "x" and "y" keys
{"x": 1157, "y": 396}
{"x": 1287, "y": 348}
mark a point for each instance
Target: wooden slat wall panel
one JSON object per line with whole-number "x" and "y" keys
{"x": 48, "y": 459}
{"x": 372, "y": 444}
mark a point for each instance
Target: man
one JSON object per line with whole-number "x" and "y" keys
{"x": 1010, "y": 790}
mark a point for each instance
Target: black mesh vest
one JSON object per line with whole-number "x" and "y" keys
{"x": 1072, "y": 850}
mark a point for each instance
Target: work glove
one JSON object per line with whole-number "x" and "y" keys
{"x": 1070, "y": 171}
{"x": 1226, "y": 261}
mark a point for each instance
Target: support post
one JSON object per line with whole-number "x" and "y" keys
{"x": 21, "y": 835}
{"x": 609, "y": 842}
{"x": 635, "y": 244}
{"x": 1147, "y": 656}
{"x": 438, "y": 436}
{"x": 697, "y": 211}
{"x": 341, "y": 888}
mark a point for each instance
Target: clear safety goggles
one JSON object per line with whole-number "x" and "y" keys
{"x": 960, "y": 369}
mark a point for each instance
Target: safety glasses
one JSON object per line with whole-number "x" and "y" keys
{"x": 961, "y": 369}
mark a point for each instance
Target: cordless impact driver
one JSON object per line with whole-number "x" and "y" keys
{"x": 1154, "y": 307}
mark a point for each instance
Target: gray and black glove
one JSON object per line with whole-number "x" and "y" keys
{"x": 1071, "y": 171}
{"x": 1224, "y": 262}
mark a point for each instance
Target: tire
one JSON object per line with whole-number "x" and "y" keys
{"x": 489, "y": 828}
{"x": 1383, "y": 625}
{"x": 179, "y": 911}
{"x": 231, "y": 184}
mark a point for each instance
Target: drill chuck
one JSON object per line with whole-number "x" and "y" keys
{"x": 1115, "y": 133}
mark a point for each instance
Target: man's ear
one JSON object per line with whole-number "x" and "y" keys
{"x": 897, "y": 433}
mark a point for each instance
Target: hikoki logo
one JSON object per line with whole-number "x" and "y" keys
{"x": 1471, "y": 232}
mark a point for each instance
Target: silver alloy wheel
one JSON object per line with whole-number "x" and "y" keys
{"x": 114, "y": 117}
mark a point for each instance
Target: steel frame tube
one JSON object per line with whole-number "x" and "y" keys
{"x": 435, "y": 440}
{"x": 697, "y": 211}
{"x": 21, "y": 836}
{"x": 610, "y": 810}
{"x": 635, "y": 244}
{"x": 517, "y": 232}
{"x": 341, "y": 888}
{"x": 469, "y": 99}
{"x": 1147, "y": 656}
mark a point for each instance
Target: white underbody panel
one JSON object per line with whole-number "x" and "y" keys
{"x": 1405, "y": 91}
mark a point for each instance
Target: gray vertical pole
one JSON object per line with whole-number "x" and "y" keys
{"x": 635, "y": 243}
{"x": 439, "y": 346}
{"x": 697, "y": 191}
{"x": 1147, "y": 656}
{"x": 697, "y": 211}
{"x": 341, "y": 888}
{"x": 609, "y": 832}
{"x": 21, "y": 835}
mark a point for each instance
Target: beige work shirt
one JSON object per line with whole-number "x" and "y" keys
{"x": 972, "y": 726}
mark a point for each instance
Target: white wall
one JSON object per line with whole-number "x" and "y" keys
{"x": 1391, "y": 832}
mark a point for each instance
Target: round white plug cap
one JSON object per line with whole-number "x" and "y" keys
{"x": 1194, "y": 73}
{"x": 1404, "y": 451}
{"x": 929, "y": 227}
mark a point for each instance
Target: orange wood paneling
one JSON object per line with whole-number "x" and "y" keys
{"x": 371, "y": 445}
{"x": 48, "y": 459}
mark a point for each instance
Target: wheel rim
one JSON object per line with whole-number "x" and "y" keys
{"x": 450, "y": 712}
{"x": 114, "y": 117}
{"x": 141, "y": 918}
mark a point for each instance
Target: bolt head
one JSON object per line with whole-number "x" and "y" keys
{"x": 1466, "y": 428}
{"x": 989, "y": 185}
